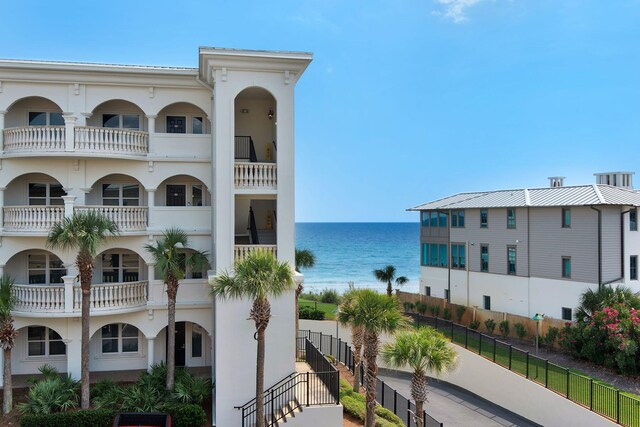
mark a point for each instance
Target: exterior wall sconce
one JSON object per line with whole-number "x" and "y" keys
{"x": 270, "y": 114}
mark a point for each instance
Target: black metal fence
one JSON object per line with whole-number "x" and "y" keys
{"x": 321, "y": 387}
{"x": 387, "y": 396}
{"x": 602, "y": 399}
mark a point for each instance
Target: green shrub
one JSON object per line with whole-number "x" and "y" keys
{"x": 474, "y": 324}
{"x": 310, "y": 313}
{"x": 185, "y": 415}
{"x": 87, "y": 418}
{"x": 460, "y": 310}
{"x": 550, "y": 338}
{"x": 521, "y": 331}
{"x": 504, "y": 328}
{"x": 311, "y": 296}
{"x": 53, "y": 393}
{"x": 141, "y": 398}
{"x": 354, "y": 404}
{"x": 106, "y": 395}
{"x": 409, "y": 306}
{"x": 421, "y": 307}
{"x": 490, "y": 325}
{"x": 191, "y": 389}
{"x": 389, "y": 416}
{"x": 446, "y": 313}
{"x": 330, "y": 296}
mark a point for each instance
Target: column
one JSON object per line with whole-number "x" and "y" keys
{"x": 151, "y": 126}
{"x": 69, "y": 129}
{"x": 68, "y": 280}
{"x": 69, "y": 202}
{"x": 150, "y": 350}
{"x": 2, "y": 113}
{"x": 74, "y": 352}
{"x": 151, "y": 276}
{"x": 82, "y": 119}
{"x": 151, "y": 201}
{"x": 2, "y": 206}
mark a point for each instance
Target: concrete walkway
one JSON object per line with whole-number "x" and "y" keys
{"x": 453, "y": 406}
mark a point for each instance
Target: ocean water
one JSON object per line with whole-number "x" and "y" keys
{"x": 349, "y": 252}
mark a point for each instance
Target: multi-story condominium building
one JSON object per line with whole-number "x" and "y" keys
{"x": 530, "y": 251}
{"x": 207, "y": 149}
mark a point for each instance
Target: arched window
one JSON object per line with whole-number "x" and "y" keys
{"x": 119, "y": 267}
{"x": 120, "y": 338}
{"x": 44, "y": 268}
{"x": 43, "y": 341}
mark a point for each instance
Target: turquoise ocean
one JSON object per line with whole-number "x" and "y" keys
{"x": 349, "y": 252}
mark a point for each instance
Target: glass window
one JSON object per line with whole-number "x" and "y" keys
{"x": 566, "y": 267}
{"x": 129, "y": 339}
{"x": 124, "y": 121}
{"x": 511, "y": 218}
{"x": 454, "y": 256}
{"x": 196, "y": 344}
{"x": 424, "y": 218}
{"x": 197, "y": 125}
{"x": 433, "y": 253}
{"x": 442, "y": 219}
{"x": 37, "y": 119}
{"x": 484, "y": 218}
{"x": 42, "y": 194}
{"x": 120, "y": 267}
{"x": 566, "y": 217}
{"x": 42, "y": 341}
{"x": 446, "y": 294}
{"x": 56, "y": 119}
{"x": 425, "y": 254}
{"x": 433, "y": 219}
{"x": 457, "y": 219}
{"x": 484, "y": 258}
{"x": 443, "y": 255}
{"x": 196, "y": 195}
{"x": 486, "y": 302}
{"x": 130, "y": 121}
{"x": 427, "y": 291}
{"x": 458, "y": 256}
{"x": 110, "y": 121}
{"x": 633, "y": 220}
{"x": 45, "y": 269}
{"x": 633, "y": 267}
{"x": 120, "y": 338}
{"x": 511, "y": 260}
{"x": 567, "y": 314}
{"x": 120, "y": 195}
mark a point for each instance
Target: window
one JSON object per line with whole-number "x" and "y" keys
{"x": 197, "y": 125}
{"x": 484, "y": 258}
{"x": 511, "y": 260}
{"x": 196, "y": 343}
{"x": 45, "y": 269}
{"x": 427, "y": 291}
{"x": 120, "y": 267}
{"x": 486, "y": 302}
{"x": 511, "y": 218}
{"x": 45, "y": 119}
{"x": 433, "y": 219}
{"x": 633, "y": 220}
{"x": 567, "y": 314}
{"x": 433, "y": 254}
{"x": 424, "y": 218}
{"x": 443, "y": 255}
{"x": 121, "y": 121}
{"x": 633, "y": 267}
{"x": 424, "y": 256}
{"x": 566, "y": 217}
{"x": 42, "y": 341}
{"x": 46, "y": 194}
{"x": 442, "y": 219}
{"x": 120, "y": 194}
{"x": 458, "y": 256}
{"x": 119, "y": 338}
{"x": 446, "y": 294}
{"x": 457, "y": 219}
{"x": 566, "y": 267}
{"x": 484, "y": 218}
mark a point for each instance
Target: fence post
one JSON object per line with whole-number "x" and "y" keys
{"x": 618, "y": 406}
{"x": 466, "y": 337}
{"x": 568, "y": 383}
{"x": 273, "y": 412}
{"x": 494, "y": 350}
{"x": 546, "y": 373}
{"x": 331, "y": 346}
{"x": 591, "y": 395}
{"x": 527, "y": 362}
{"x": 480, "y": 343}
{"x": 382, "y": 394}
{"x": 395, "y": 401}
{"x": 320, "y": 341}
{"x": 408, "y": 412}
{"x": 510, "y": 355}
{"x": 452, "y": 331}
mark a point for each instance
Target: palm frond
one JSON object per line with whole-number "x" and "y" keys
{"x": 84, "y": 232}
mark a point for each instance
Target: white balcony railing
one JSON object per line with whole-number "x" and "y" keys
{"x": 34, "y": 138}
{"x": 249, "y": 175}
{"x": 111, "y": 296}
{"x": 110, "y": 140}
{"x": 241, "y": 251}
{"x": 39, "y": 298}
{"x": 32, "y": 218}
{"x": 128, "y": 218}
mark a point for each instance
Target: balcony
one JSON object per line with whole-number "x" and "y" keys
{"x": 128, "y": 218}
{"x": 68, "y": 298}
{"x": 255, "y": 176}
{"x": 86, "y": 139}
{"x": 241, "y": 251}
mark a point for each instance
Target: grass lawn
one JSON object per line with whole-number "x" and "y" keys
{"x": 329, "y": 310}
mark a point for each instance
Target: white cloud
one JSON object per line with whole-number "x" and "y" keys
{"x": 456, "y": 10}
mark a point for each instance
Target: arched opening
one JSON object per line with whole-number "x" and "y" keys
{"x": 192, "y": 347}
{"x": 255, "y": 221}
{"x": 182, "y": 190}
{"x": 256, "y": 118}
{"x": 117, "y": 190}
{"x": 119, "y": 265}
{"x": 36, "y": 345}
{"x": 182, "y": 118}
{"x": 34, "y": 111}
{"x": 118, "y": 346}
{"x": 35, "y": 267}
{"x": 34, "y": 189}
{"x": 118, "y": 114}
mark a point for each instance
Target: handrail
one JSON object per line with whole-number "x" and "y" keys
{"x": 242, "y": 147}
{"x": 34, "y": 138}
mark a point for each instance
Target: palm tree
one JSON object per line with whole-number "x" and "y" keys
{"x": 304, "y": 259}
{"x": 596, "y": 300}
{"x": 356, "y": 336}
{"x": 7, "y": 338}
{"x": 423, "y": 350}
{"x": 376, "y": 314}
{"x": 388, "y": 275}
{"x": 172, "y": 260}
{"x": 257, "y": 277}
{"x": 84, "y": 232}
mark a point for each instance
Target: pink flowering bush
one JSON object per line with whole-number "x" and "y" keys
{"x": 610, "y": 338}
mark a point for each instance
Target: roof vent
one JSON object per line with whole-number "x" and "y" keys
{"x": 556, "y": 181}
{"x": 616, "y": 179}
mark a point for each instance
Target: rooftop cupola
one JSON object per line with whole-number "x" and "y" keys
{"x": 616, "y": 179}
{"x": 556, "y": 181}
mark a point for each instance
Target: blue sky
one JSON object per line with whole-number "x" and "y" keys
{"x": 405, "y": 101}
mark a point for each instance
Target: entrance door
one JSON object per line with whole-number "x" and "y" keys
{"x": 176, "y": 124}
{"x": 176, "y": 195}
{"x": 180, "y": 344}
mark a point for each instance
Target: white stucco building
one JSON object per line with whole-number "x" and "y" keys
{"x": 151, "y": 147}
{"x": 528, "y": 251}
